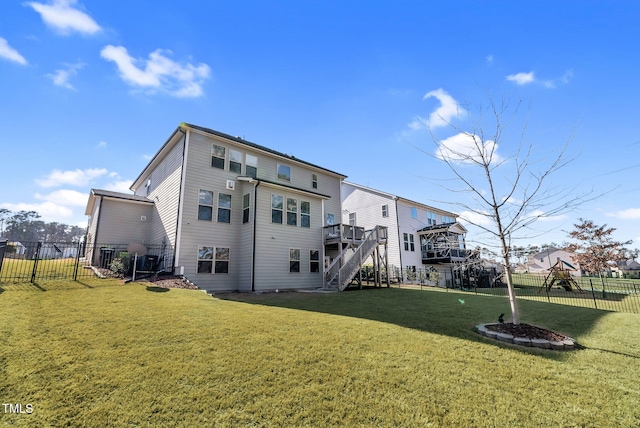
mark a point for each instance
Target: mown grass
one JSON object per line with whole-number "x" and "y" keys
{"x": 123, "y": 355}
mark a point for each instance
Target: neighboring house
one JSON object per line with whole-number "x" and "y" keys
{"x": 20, "y": 250}
{"x": 419, "y": 236}
{"x": 629, "y": 269}
{"x": 238, "y": 216}
{"x": 542, "y": 262}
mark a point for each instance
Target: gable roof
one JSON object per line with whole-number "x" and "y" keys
{"x": 97, "y": 193}
{"x": 174, "y": 139}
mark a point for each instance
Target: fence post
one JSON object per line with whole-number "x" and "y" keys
{"x": 35, "y": 262}
{"x": 75, "y": 269}
{"x": 593, "y": 293}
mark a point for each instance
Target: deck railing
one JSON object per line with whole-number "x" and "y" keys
{"x": 343, "y": 232}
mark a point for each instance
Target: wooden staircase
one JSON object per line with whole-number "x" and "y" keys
{"x": 346, "y": 266}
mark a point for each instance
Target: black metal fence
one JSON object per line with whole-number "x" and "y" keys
{"x": 39, "y": 261}
{"x": 611, "y": 294}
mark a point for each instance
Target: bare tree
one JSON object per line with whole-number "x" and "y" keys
{"x": 507, "y": 193}
{"x": 596, "y": 248}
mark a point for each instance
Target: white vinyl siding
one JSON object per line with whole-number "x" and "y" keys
{"x": 164, "y": 191}
{"x": 358, "y": 198}
{"x": 274, "y": 242}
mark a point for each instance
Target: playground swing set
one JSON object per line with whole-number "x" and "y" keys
{"x": 560, "y": 274}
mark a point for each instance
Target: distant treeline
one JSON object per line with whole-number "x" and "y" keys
{"x": 25, "y": 226}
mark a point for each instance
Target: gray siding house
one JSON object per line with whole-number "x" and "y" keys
{"x": 239, "y": 216}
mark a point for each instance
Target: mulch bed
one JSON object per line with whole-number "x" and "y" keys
{"x": 172, "y": 282}
{"x": 528, "y": 331}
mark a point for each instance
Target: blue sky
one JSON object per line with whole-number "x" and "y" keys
{"x": 92, "y": 89}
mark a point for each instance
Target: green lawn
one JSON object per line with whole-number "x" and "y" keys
{"x": 102, "y": 354}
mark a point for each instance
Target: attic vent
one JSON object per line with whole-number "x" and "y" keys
{"x": 231, "y": 184}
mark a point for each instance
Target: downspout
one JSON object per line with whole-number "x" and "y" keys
{"x": 253, "y": 244}
{"x": 184, "y": 161}
{"x": 400, "y": 243}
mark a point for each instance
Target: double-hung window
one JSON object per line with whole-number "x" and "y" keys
{"x": 205, "y": 259}
{"x": 431, "y": 218}
{"x": 217, "y": 156}
{"x": 222, "y": 260}
{"x": 205, "y": 205}
{"x": 314, "y": 261}
{"x": 277, "y": 205}
{"x": 251, "y": 166}
{"x": 284, "y": 172}
{"x": 224, "y": 208}
{"x": 235, "y": 161}
{"x": 292, "y": 212}
{"x": 305, "y": 214}
{"x": 385, "y": 211}
{"x": 246, "y": 202}
{"x": 294, "y": 260}
{"x": 213, "y": 260}
{"x": 409, "y": 244}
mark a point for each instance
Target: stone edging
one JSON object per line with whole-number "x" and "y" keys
{"x": 564, "y": 345}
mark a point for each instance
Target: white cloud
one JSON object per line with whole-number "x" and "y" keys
{"x": 442, "y": 116}
{"x": 102, "y": 144}
{"x": 63, "y": 18}
{"x": 158, "y": 72}
{"x": 522, "y": 78}
{"x": 467, "y": 148}
{"x": 121, "y": 186}
{"x": 476, "y": 218}
{"x": 489, "y": 59}
{"x": 628, "y": 214}
{"x": 78, "y": 177}
{"x": 64, "y": 197}
{"x": 9, "y": 53}
{"x": 541, "y": 216}
{"x": 61, "y": 77}
{"x": 530, "y": 77}
{"x": 49, "y": 211}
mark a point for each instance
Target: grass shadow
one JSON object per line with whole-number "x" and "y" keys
{"x": 35, "y": 284}
{"x": 446, "y": 313}
{"x": 157, "y": 289}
